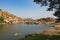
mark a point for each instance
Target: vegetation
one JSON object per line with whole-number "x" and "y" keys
{"x": 1, "y": 19}
{"x": 54, "y": 5}
{"x": 42, "y": 37}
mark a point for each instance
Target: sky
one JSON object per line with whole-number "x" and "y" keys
{"x": 25, "y": 9}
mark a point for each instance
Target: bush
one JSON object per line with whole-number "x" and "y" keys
{"x": 1, "y": 19}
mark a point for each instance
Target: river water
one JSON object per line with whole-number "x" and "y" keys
{"x": 7, "y": 32}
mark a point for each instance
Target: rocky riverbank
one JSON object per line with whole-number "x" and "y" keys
{"x": 9, "y": 18}
{"x": 45, "y": 35}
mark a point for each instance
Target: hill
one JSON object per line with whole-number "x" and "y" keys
{"x": 10, "y": 18}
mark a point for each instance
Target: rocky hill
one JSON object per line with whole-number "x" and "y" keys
{"x": 10, "y": 18}
{"x": 48, "y": 21}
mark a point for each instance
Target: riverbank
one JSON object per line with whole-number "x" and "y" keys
{"x": 45, "y": 35}
{"x": 42, "y": 37}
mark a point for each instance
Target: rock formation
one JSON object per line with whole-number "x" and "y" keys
{"x": 10, "y": 18}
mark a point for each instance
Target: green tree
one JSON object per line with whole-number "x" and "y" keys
{"x": 52, "y": 4}
{"x": 1, "y": 19}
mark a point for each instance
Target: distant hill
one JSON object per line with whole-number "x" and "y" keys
{"x": 29, "y": 19}
{"x": 48, "y": 19}
{"x": 10, "y": 18}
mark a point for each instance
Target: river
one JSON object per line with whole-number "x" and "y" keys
{"x": 7, "y": 32}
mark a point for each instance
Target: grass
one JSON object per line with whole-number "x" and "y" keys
{"x": 41, "y": 37}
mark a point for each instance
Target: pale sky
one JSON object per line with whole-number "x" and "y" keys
{"x": 25, "y": 9}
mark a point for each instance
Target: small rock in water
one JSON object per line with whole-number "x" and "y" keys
{"x": 17, "y": 34}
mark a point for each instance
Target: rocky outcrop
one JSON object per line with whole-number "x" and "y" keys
{"x": 47, "y": 21}
{"x": 10, "y": 18}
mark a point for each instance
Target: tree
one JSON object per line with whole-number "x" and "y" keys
{"x": 52, "y": 4}
{"x": 0, "y": 9}
{"x": 1, "y": 19}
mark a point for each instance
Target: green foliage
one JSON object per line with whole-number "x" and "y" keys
{"x": 42, "y": 37}
{"x": 52, "y": 4}
{"x": 1, "y": 19}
